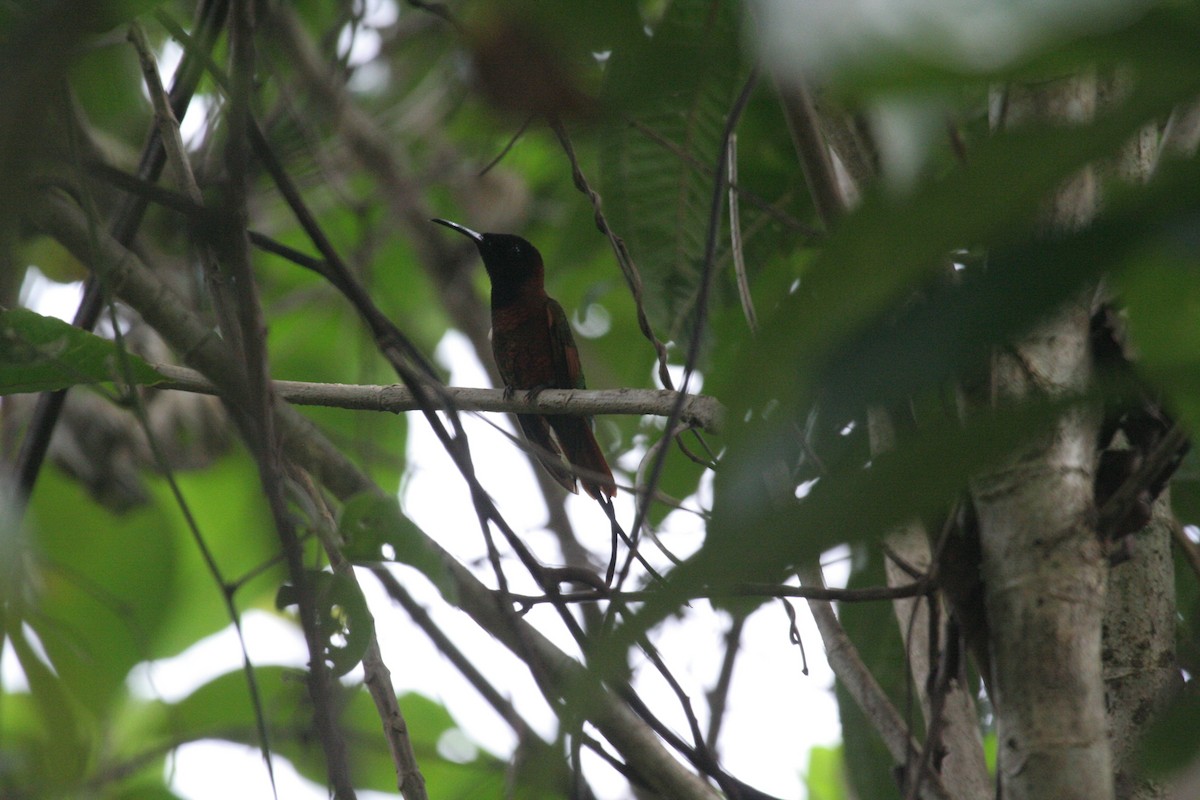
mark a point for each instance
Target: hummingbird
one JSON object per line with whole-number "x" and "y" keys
{"x": 534, "y": 350}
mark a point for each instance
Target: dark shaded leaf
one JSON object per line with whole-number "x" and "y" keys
{"x": 39, "y": 354}
{"x": 1173, "y": 740}
{"x": 679, "y": 85}
{"x": 343, "y": 620}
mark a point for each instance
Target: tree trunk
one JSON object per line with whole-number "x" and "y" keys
{"x": 1043, "y": 567}
{"x": 1140, "y": 670}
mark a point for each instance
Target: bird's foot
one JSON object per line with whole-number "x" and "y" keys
{"x": 532, "y": 394}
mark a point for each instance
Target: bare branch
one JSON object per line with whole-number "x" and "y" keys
{"x": 556, "y": 672}
{"x": 853, "y": 674}
{"x": 376, "y": 675}
{"x": 699, "y": 411}
{"x": 805, "y": 128}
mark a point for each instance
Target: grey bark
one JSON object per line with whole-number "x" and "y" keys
{"x": 1042, "y": 565}
{"x": 1138, "y": 659}
{"x": 1140, "y": 671}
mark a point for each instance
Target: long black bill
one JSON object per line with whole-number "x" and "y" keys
{"x": 465, "y": 231}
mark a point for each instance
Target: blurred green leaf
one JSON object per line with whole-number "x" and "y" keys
{"x": 1173, "y": 740}
{"x": 65, "y": 742}
{"x": 825, "y": 777}
{"x": 95, "y": 615}
{"x": 479, "y": 776}
{"x": 918, "y": 479}
{"x": 39, "y": 354}
{"x": 893, "y": 245}
{"x": 221, "y": 709}
{"x": 1161, "y": 292}
{"x": 1155, "y": 42}
{"x": 375, "y": 530}
{"x": 145, "y": 791}
{"x": 869, "y": 767}
{"x": 53, "y": 260}
{"x": 812, "y": 348}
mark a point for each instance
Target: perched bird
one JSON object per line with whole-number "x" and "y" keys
{"x": 534, "y": 350}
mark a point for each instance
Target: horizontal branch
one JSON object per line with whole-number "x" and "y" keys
{"x": 558, "y": 673}
{"x": 867, "y": 594}
{"x": 698, "y": 410}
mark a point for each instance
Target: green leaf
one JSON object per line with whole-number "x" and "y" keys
{"x": 226, "y": 502}
{"x": 344, "y": 622}
{"x": 375, "y": 530}
{"x": 428, "y": 723}
{"x": 674, "y": 87}
{"x": 824, "y": 778}
{"x": 1173, "y": 740}
{"x": 221, "y": 709}
{"x": 64, "y": 741}
{"x": 103, "y": 589}
{"x": 146, "y": 790}
{"x": 918, "y": 479}
{"x": 1161, "y": 292}
{"x": 39, "y": 354}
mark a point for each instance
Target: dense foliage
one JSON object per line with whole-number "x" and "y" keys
{"x": 805, "y": 290}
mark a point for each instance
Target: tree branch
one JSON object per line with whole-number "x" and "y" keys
{"x": 850, "y": 670}
{"x": 558, "y": 674}
{"x": 699, "y": 411}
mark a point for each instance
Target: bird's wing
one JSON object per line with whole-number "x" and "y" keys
{"x": 574, "y": 434}
{"x": 562, "y": 345}
{"x": 547, "y": 449}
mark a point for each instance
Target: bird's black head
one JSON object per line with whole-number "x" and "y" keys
{"x": 510, "y": 260}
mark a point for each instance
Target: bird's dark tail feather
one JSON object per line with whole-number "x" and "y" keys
{"x": 581, "y": 449}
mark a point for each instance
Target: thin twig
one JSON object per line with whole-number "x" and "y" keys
{"x": 809, "y": 592}
{"x": 377, "y": 677}
{"x": 507, "y": 147}
{"x": 706, "y": 760}
{"x": 856, "y": 677}
{"x": 735, "y": 241}
{"x": 167, "y": 124}
{"x": 628, "y": 268}
{"x": 805, "y": 128}
{"x": 693, "y": 354}
{"x": 718, "y": 696}
{"x": 501, "y": 704}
